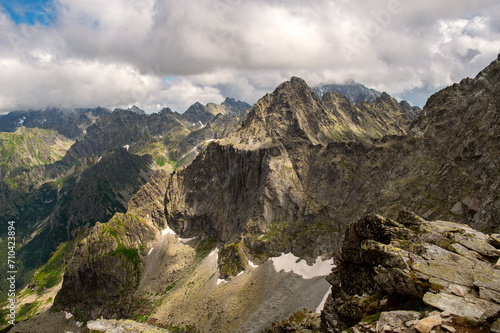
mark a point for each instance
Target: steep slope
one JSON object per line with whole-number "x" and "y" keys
{"x": 96, "y": 177}
{"x": 95, "y": 195}
{"x": 229, "y": 106}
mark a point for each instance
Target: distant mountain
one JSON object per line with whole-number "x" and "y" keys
{"x": 355, "y": 92}
{"x": 133, "y": 109}
{"x": 30, "y": 147}
{"x": 52, "y": 186}
{"x": 72, "y": 123}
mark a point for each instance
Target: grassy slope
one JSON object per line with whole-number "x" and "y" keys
{"x": 30, "y": 147}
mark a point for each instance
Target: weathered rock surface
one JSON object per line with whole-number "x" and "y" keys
{"x": 446, "y": 265}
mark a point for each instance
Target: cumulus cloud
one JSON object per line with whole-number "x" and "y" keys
{"x": 117, "y": 52}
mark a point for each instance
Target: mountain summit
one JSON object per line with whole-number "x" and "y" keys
{"x": 293, "y": 110}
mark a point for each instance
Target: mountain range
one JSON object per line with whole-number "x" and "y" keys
{"x": 228, "y": 218}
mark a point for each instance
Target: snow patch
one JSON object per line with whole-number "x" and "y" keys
{"x": 185, "y": 240}
{"x": 322, "y": 304}
{"x": 126, "y": 147}
{"x": 150, "y": 251}
{"x": 240, "y": 273}
{"x": 99, "y": 159}
{"x": 21, "y": 121}
{"x": 290, "y": 263}
{"x": 219, "y": 281}
{"x": 190, "y": 151}
{"x": 201, "y": 124}
{"x": 68, "y": 315}
{"x": 214, "y": 252}
{"x": 251, "y": 264}
{"x": 209, "y": 140}
{"x": 194, "y": 124}
{"x": 168, "y": 231}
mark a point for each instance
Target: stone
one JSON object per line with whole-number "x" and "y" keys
{"x": 427, "y": 324}
{"x": 458, "y": 289}
{"x": 472, "y": 307}
{"x": 396, "y": 319}
{"x": 445, "y": 314}
{"x": 449, "y": 328}
{"x": 495, "y": 327}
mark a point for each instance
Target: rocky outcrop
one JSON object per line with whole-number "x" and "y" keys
{"x": 387, "y": 265}
{"x": 303, "y": 322}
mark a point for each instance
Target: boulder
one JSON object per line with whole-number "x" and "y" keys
{"x": 395, "y": 319}
{"x": 412, "y": 261}
{"x": 427, "y": 324}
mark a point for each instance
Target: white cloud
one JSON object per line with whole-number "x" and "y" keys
{"x": 117, "y": 51}
{"x": 71, "y": 82}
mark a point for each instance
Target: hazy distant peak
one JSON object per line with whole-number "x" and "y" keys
{"x": 354, "y": 91}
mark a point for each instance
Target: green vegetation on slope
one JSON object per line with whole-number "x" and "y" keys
{"x": 30, "y": 147}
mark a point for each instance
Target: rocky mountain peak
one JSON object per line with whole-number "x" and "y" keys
{"x": 355, "y": 92}
{"x": 235, "y": 106}
{"x": 293, "y": 111}
{"x": 135, "y": 109}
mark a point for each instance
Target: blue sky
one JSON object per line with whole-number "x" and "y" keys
{"x": 30, "y": 11}
{"x": 172, "y": 53}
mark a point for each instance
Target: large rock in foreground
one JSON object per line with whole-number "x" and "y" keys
{"x": 411, "y": 263}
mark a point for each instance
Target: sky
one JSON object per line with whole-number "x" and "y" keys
{"x": 172, "y": 53}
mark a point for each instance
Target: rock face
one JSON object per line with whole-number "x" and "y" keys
{"x": 51, "y": 186}
{"x": 445, "y": 265}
